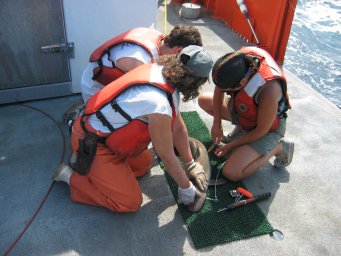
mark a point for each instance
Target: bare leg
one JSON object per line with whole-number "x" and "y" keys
{"x": 205, "y": 101}
{"x": 246, "y": 161}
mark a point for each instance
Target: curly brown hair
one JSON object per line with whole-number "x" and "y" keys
{"x": 183, "y": 35}
{"x": 181, "y": 77}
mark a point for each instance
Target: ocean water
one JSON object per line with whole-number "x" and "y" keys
{"x": 314, "y": 48}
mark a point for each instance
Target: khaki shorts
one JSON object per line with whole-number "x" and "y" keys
{"x": 266, "y": 143}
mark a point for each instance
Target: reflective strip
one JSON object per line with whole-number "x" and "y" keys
{"x": 253, "y": 85}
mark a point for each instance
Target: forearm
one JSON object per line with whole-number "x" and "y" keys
{"x": 218, "y": 98}
{"x": 162, "y": 139}
{"x": 181, "y": 140}
{"x": 217, "y": 130}
{"x": 176, "y": 171}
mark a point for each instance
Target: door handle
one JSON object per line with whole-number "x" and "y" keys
{"x": 57, "y": 48}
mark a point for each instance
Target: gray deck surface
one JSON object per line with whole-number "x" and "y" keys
{"x": 305, "y": 202}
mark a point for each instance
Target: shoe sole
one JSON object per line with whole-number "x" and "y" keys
{"x": 291, "y": 150}
{"x": 226, "y": 139}
{"x": 59, "y": 169}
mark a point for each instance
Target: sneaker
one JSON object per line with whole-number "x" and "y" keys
{"x": 235, "y": 133}
{"x": 285, "y": 158}
{"x": 73, "y": 111}
{"x": 63, "y": 173}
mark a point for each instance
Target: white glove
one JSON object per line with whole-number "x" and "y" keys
{"x": 187, "y": 195}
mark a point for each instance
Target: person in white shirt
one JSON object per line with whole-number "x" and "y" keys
{"x": 129, "y": 50}
{"x": 140, "y": 107}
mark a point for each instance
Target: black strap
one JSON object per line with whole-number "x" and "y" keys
{"x": 109, "y": 59}
{"x": 170, "y": 99}
{"x": 118, "y": 109}
{"x": 104, "y": 121}
{"x": 283, "y": 107}
{"x": 283, "y": 104}
{"x": 99, "y": 139}
{"x": 100, "y": 65}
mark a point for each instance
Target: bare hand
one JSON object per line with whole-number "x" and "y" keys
{"x": 216, "y": 133}
{"x": 224, "y": 150}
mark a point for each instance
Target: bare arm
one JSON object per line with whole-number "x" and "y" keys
{"x": 161, "y": 135}
{"x": 127, "y": 63}
{"x": 180, "y": 139}
{"x": 216, "y": 130}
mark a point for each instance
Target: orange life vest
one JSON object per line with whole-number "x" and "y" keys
{"x": 244, "y": 101}
{"x": 133, "y": 138}
{"x": 147, "y": 38}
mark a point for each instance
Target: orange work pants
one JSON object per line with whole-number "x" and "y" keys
{"x": 111, "y": 181}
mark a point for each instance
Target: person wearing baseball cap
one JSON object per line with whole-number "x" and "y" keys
{"x": 111, "y": 137}
{"x": 257, "y": 103}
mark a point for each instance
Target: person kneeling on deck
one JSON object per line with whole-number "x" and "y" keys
{"x": 125, "y": 52}
{"x": 257, "y": 98}
{"x": 121, "y": 120}
{"x": 131, "y": 49}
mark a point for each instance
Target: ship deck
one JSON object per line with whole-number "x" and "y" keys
{"x": 304, "y": 206}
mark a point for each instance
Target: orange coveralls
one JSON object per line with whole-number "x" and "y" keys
{"x": 111, "y": 181}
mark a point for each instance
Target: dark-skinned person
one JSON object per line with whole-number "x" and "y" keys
{"x": 251, "y": 92}
{"x": 122, "y": 119}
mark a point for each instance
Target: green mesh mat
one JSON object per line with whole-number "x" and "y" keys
{"x": 208, "y": 227}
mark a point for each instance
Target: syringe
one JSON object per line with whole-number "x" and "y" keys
{"x": 245, "y": 12}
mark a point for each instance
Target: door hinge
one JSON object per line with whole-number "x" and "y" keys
{"x": 56, "y": 48}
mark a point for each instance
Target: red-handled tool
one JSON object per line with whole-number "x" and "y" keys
{"x": 244, "y": 192}
{"x": 246, "y": 202}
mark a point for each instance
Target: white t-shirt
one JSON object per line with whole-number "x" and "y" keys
{"x": 138, "y": 101}
{"x": 89, "y": 86}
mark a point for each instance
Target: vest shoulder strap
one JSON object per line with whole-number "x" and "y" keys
{"x": 139, "y": 75}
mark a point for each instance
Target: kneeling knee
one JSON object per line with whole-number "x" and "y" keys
{"x": 134, "y": 207}
{"x": 131, "y": 207}
{"x": 130, "y": 204}
{"x": 232, "y": 177}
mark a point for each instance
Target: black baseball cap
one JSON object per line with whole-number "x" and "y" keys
{"x": 229, "y": 70}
